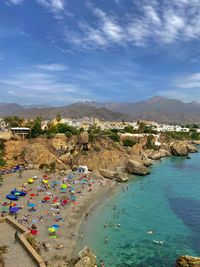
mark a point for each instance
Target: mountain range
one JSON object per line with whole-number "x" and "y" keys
{"x": 157, "y": 108}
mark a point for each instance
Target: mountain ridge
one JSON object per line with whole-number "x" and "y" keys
{"x": 157, "y": 108}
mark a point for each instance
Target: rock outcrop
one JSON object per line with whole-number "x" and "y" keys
{"x": 107, "y": 173}
{"x": 158, "y": 154}
{"x": 179, "y": 148}
{"x": 188, "y": 261}
{"x": 121, "y": 177}
{"x": 135, "y": 167}
{"x": 182, "y": 148}
{"x": 118, "y": 176}
{"x": 87, "y": 259}
{"x": 38, "y": 154}
{"x": 192, "y": 149}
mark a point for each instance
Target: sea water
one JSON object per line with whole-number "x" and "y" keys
{"x": 166, "y": 202}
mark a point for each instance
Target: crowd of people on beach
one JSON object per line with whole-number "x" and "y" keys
{"x": 45, "y": 201}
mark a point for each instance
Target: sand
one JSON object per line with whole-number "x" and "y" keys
{"x": 72, "y": 214}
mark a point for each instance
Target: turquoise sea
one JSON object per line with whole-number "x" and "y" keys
{"x": 166, "y": 202}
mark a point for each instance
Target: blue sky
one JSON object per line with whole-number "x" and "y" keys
{"x": 62, "y": 51}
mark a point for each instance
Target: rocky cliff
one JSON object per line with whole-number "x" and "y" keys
{"x": 101, "y": 153}
{"x": 188, "y": 261}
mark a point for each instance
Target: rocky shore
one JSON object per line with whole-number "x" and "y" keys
{"x": 188, "y": 261}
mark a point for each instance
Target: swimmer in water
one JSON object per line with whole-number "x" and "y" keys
{"x": 106, "y": 239}
{"x": 150, "y": 232}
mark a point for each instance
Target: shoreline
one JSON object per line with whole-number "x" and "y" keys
{"x": 102, "y": 195}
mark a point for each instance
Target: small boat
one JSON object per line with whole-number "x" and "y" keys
{"x": 188, "y": 157}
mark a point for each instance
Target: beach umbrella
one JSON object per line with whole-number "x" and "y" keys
{"x": 46, "y": 198}
{"x": 45, "y": 181}
{"x": 35, "y": 177}
{"x": 14, "y": 209}
{"x": 31, "y": 205}
{"x": 52, "y": 230}
{"x": 30, "y": 180}
{"x": 32, "y": 195}
{"x": 64, "y": 186}
{"x": 55, "y": 226}
{"x": 64, "y": 201}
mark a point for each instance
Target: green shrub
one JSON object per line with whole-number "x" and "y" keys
{"x": 43, "y": 166}
{"x": 91, "y": 137}
{"x": 2, "y": 162}
{"x": 128, "y": 142}
{"x": 150, "y": 144}
{"x": 114, "y": 136}
{"x": 68, "y": 134}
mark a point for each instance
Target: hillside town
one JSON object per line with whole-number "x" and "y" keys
{"x": 85, "y": 123}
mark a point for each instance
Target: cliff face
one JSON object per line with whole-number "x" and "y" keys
{"x": 102, "y": 153}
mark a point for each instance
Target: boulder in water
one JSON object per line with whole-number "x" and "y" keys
{"x": 179, "y": 148}
{"x": 188, "y": 261}
{"x": 136, "y": 167}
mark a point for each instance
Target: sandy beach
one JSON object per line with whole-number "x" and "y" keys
{"x": 82, "y": 194}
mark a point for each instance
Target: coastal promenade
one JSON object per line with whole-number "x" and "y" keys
{"x": 16, "y": 255}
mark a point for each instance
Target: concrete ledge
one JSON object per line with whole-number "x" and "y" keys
{"x": 31, "y": 251}
{"x": 27, "y": 246}
{"x": 16, "y": 225}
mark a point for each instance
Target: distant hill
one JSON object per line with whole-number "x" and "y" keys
{"x": 157, "y": 108}
{"x": 76, "y": 110}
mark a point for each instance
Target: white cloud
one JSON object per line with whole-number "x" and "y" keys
{"x": 55, "y": 6}
{"x": 184, "y": 87}
{"x": 15, "y": 2}
{"x": 191, "y": 81}
{"x": 164, "y": 22}
{"x": 41, "y": 87}
{"x": 52, "y": 67}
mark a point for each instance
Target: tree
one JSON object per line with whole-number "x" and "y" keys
{"x": 13, "y": 121}
{"x": 94, "y": 129}
{"x": 36, "y": 129}
{"x": 51, "y": 129}
{"x": 129, "y": 129}
{"x": 63, "y": 128}
{"x": 58, "y": 117}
